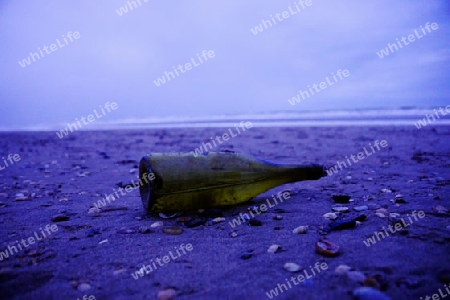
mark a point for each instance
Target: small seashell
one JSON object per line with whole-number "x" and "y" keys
{"x": 82, "y": 287}
{"x": 341, "y": 209}
{"x": 164, "y": 216}
{"x": 168, "y": 294}
{"x": 300, "y": 229}
{"x": 331, "y": 216}
{"x": 218, "y": 220}
{"x": 274, "y": 249}
{"x": 291, "y": 267}
{"x": 326, "y": 248}
{"x": 342, "y": 270}
{"x": 157, "y": 224}
{"x": 173, "y": 230}
{"x": 361, "y": 208}
{"x": 233, "y": 234}
{"x": 102, "y": 242}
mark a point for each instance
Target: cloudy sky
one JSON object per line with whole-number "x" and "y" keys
{"x": 118, "y": 57}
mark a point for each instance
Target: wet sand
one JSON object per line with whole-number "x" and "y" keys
{"x": 96, "y": 253}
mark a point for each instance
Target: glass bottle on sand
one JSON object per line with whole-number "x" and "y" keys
{"x": 171, "y": 182}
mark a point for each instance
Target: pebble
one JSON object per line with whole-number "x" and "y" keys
{"x": 82, "y": 287}
{"x": 331, "y": 216}
{"x": 356, "y": 276}
{"x": 300, "y": 229}
{"x": 326, "y": 248}
{"x": 233, "y": 234}
{"x": 254, "y": 222}
{"x": 168, "y": 294}
{"x": 157, "y": 224}
{"x": 386, "y": 191}
{"x": 118, "y": 272}
{"x": 274, "y": 249}
{"x": 368, "y": 293}
{"x": 20, "y": 197}
{"x": 341, "y": 198}
{"x": 195, "y": 222}
{"x": 125, "y": 230}
{"x": 381, "y": 215}
{"x": 341, "y": 209}
{"x": 361, "y": 208}
{"x": 144, "y": 230}
{"x": 60, "y": 218}
{"x": 342, "y": 270}
{"x": 173, "y": 230}
{"x": 278, "y": 217}
{"x": 394, "y": 215}
{"x": 291, "y": 267}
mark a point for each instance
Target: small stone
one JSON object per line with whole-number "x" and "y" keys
{"x": 278, "y": 217}
{"x": 118, "y": 272}
{"x": 291, "y": 267}
{"x": 380, "y": 215}
{"x": 274, "y": 249}
{"x": 254, "y": 222}
{"x": 21, "y": 197}
{"x": 341, "y": 198}
{"x": 369, "y": 293}
{"x": 356, "y": 276}
{"x": 168, "y": 294}
{"x": 60, "y": 218}
{"x": 341, "y": 209}
{"x": 246, "y": 255}
{"x": 233, "y": 234}
{"x": 125, "y": 230}
{"x": 342, "y": 270}
{"x": 361, "y": 208}
{"x": 300, "y": 230}
{"x": 218, "y": 220}
{"x": 327, "y": 248}
{"x": 173, "y": 230}
{"x": 144, "y": 230}
{"x": 331, "y": 216}
{"x": 386, "y": 191}
{"x": 394, "y": 215}
{"x": 82, "y": 287}
{"x": 157, "y": 224}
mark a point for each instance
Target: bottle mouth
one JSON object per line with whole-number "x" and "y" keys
{"x": 145, "y": 183}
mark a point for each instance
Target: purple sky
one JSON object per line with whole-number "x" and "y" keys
{"x": 118, "y": 58}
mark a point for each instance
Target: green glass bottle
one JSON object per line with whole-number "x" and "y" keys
{"x": 171, "y": 182}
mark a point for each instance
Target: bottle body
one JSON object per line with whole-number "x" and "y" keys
{"x": 184, "y": 182}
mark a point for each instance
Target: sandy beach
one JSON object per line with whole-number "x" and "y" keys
{"x": 72, "y": 249}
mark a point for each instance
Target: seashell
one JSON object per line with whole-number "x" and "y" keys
{"x": 342, "y": 270}
{"x": 274, "y": 249}
{"x": 326, "y": 248}
{"x": 331, "y": 216}
{"x": 300, "y": 229}
{"x": 291, "y": 267}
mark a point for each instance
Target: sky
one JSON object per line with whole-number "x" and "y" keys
{"x": 118, "y": 56}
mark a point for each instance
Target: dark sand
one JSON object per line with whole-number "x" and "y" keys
{"x": 52, "y": 269}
